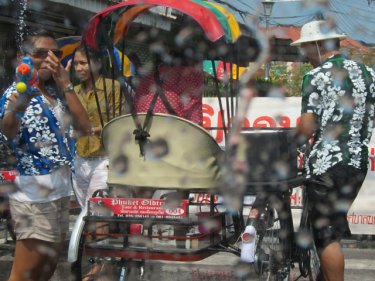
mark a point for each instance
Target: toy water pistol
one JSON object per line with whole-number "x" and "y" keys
{"x": 27, "y": 77}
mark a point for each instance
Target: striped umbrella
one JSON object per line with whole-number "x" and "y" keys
{"x": 68, "y": 44}
{"x": 215, "y": 21}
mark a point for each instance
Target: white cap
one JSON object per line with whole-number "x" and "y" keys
{"x": 317, "y": 31}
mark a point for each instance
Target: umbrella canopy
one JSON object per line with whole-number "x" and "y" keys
{"x": 218, "y": 26}
{"x": 68, "y": 44}
{"x": 214, "y": 19}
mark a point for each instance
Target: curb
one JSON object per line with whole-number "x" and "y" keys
{"x": 358, "y": 244}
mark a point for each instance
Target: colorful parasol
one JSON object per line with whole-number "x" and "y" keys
{"x": 68, "y": 44}
{"x": 215, "y": 21}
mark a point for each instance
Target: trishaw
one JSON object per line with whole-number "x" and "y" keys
{"x": 173, "y": 158}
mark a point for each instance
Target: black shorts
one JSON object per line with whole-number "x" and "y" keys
{"x": 330, "y": 196}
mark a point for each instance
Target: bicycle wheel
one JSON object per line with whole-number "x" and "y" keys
{"x": 308, "y": 259}
{"x": 314, "y": 264}
{"x": 92, "y": 264}
{"x": 274, "y": 242}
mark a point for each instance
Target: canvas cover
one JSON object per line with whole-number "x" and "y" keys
{"x": 178, "y": 154}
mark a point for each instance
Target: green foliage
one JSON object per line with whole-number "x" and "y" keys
{"x": 289, "y": 78}
{"x": 279, "y": 73}
{"x": 224, "y": 88}
{"x": 210, "y": 88}
{"x": 368, "y": 59}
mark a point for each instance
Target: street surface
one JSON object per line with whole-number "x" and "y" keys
{"x": 360, "y": 265}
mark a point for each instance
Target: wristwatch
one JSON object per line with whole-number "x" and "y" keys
{"x": 68, "y": 88}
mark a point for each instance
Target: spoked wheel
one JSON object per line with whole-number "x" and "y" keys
{"x": 93, "y": 265}
{"x": 102, "y": 268}
{"x": 308, "y": 259}
{"x": 309, "y": 263}
{"x": 273, "y": 245}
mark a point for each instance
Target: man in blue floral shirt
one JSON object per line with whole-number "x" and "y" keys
{"x": 38, "y": 124}
{"x": 337, "y": 111}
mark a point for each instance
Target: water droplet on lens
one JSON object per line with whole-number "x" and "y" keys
{"x": 157, "y": 149}
{"x": 120, "y": 164}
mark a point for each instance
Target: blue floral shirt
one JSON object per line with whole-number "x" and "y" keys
{"x": 341, "y": 94}
{"x": 43, "y": 143}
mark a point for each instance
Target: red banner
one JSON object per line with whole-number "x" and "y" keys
{"x": 142, "y": 208}
{"x": 8, "y": 176}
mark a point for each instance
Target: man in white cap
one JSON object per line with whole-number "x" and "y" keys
{"x": 337, "y": 111}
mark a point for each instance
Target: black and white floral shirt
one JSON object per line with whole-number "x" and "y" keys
{"x": 341, "y": 93}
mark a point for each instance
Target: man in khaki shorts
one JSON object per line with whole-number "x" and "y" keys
{"x": 37, "y": 123}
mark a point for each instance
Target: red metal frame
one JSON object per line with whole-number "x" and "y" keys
{"x": 188, "y": 256}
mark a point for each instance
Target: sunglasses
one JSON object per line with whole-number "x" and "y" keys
{"x": 43, "y": 53}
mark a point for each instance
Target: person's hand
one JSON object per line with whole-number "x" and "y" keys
{"x": 68, "y": 66}
{"x": 18, "y": 102}
{"x": 13, "y": 101}
{"x": 59, "y": 73}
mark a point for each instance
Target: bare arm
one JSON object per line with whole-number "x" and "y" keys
{"x": 81, "y": 120}
{"x": 306, "y": 127}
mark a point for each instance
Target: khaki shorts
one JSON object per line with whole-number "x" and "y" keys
{"x": 43, "y": 221}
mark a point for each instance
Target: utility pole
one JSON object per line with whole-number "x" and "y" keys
{"x": 267, "y": 6}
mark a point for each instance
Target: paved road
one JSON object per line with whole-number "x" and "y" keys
{"x": 360, "y": 265}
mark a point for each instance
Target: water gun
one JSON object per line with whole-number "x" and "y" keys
{"x": 27, "y": 77}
